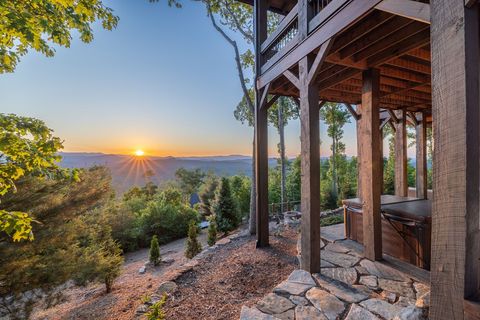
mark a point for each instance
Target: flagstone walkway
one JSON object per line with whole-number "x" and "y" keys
{"x": 348, "y": 288}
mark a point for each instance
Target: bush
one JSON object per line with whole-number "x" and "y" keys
{"x": 193, "y": 247}
{"x": 212, "y": 231}
{"x": 155, "y": 311}
{"x": 154, "y": 251}
{"x": 225, "y": 208}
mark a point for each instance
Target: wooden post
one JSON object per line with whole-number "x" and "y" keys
{"x": 380, "y": 147}
{"x": 401, "y": 175}
{"x": 261, "y": 129}
{"x": 304, "y": 16}
{"x": 370, "y": 158}
{"x": 359, "y": 154}
{"x": 310, "y": 154}
{"x": 421, "y": 155}
{"x": 455, "y": 266}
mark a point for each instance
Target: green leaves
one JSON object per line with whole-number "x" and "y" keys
{"x": 40, "y": 24}
{"x": 18, "y": 225}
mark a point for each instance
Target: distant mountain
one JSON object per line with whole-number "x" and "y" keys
{"x": 128, "y": 171}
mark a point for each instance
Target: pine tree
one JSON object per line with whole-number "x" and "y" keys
{"x": 154, "y": 251}
{"x": 212, "y": 231}
{"x": 193, "y": 246}
{"x": 225, "y": 208}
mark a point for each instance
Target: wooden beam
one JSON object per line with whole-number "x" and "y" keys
{"x": 421, "y": 155}
{"x": 413, "y": 118}
{"x": 393, "y": 116}
{"x": 470, "y": 3}
{"x": 261, "y": 172}
{"x": 401, "y": 174}
{"x": 351, "y": 13}
{"x": 406, "y": 8}
{"x": 352, "y": 111}
{"x": 384, "y": 122}
{"x": 310, "y": 169}
{"x": 260, "y": 32}
{"x": 318, "y": 62}
{"x": 370, "y": 158}
{"x": 292, "y": 78}
{"x": 455, "y": 264}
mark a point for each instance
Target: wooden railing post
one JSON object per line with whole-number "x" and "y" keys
{"x": 455, "y": 266}
{"x": 304, "y": 16}
{"x": 370, "y": 158}
{"x": 310, "y": 158}
{"x": 260, "y": 32}
{"x": 421, "y": 155}
{"x": 401, "y": 176}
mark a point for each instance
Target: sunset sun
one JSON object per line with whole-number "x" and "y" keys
{"x": 139, "y": 153}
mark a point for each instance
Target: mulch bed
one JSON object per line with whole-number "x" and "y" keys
{"x": 235, "y": 274}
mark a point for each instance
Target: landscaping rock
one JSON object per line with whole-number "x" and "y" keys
{"x": 410, "y": 313}
{"x": 223, "y": 241}
{"x": 362, "y": 271}
{"x": 382, "y": 308}
{"x": 405, "y": 302}
{"x": 287, "y": 315}
{"x": 424, "y": 301}
{"x": 369, "y": 281}
{"x": 274, "y": 304}
{"x": 254, "y": 314}
{"x": 389, "y": 296}
{"x": 142, "y": 270}
{"x": 340, "y": 289}
{"x": 421, "y": 289}
{"x": 330, "y": 305}
{"x": 357, "y": 313}
{"x": 339, "y": 259}
{"x": 167, "y": 287}
{"x": 346, "y": 275}
{"x": 168, "y": 260}
{"x": 301, "y": 276}
{"x": 400, "y": 288}
{"x": 308, "y": 313}
{"x": 288, "y": 288}
{"x": 382, "y": 271}
{"x": 298, "y": 300}
{"x": 334, "y": 247}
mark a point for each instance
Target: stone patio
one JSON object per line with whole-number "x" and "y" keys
{"x": 349, "y": 287}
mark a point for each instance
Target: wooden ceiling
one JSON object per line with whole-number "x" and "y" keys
{"x": 399, "y": 47}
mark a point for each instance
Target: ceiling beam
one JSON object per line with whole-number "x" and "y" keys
{"x": 406, "y": 8}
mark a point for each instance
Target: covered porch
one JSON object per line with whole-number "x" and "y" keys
{"x": 392, "y": 62}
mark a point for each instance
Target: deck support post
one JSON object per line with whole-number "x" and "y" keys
{"x": 359, "y": 154}
{"x": 401, "y": 175}
{"x": 455, "y": 266}
{"x": 310, "y": 168}
{"x": 261, "y": 129}
{"x": 421, "y": 155}
{"x": 370, "y": 158}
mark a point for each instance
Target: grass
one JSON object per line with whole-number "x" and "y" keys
{"x": 331, "y": 220}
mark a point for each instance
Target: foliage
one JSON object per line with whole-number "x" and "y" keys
{"x": 72, "y": 238}
{"x": 293, "y": 181}
{"x": 207, "y": 193}
{"x": 331, "y": 220}
{"x": 212, "y": 231}
{"x": 155, "y": 311}
{"x": 225, "y": 208}
{"x": 193, "y": 246}
{"x": 240, "y": 186}
{"x": 155, "y": 257}
{"x": 27, "y": 146}
{"x": 189, "y": 180}
{"x": 40, "y": 25}
{"x": 389, "y": 165}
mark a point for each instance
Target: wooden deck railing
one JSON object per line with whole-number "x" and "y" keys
{"x": 281, "y": 40}
{"x": 285, "y": 37}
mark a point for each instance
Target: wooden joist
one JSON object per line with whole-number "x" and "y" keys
{"x": 401, "y": 175}
{"x": 407, "y": 8}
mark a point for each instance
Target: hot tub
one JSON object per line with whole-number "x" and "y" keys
{"x": 406, "y": 227}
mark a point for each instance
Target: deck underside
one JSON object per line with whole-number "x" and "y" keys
{"x": 399, "y": 47}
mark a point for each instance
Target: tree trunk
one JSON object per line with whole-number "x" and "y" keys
{"x": 252, "y": 224}
{"x": 281, "y": 131}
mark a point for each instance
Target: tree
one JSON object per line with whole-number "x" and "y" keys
{"x": 207, "y": 193}
{"x": 283, "y": 111}
{"x": 193, "y": 246}
{"x": 212, "y": 231}
{"x": 72, "y": 239}
{"x": 294, "y": 180}
{"x": 189, "y": 180}
{"x": 155, "y": 257}
{"x": 27, "y": 147}
{"x": 225, "y": 208}
{"x": 240, "y": 186}
{"x": 41, "y": 25}
{"x": 389, "y": 166}
{"x": 335, "y": 116}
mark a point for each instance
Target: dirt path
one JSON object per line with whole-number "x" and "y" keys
{"x": 91, "y": 302}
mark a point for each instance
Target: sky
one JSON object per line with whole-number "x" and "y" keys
{"x": 164, "y": 81}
